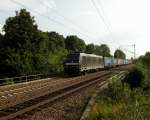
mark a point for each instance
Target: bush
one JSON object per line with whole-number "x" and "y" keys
{"x": 113, "y": 93}
{"x": 135, "y": 78}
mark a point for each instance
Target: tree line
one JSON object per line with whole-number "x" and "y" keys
{"x": 145, "y": 60}
{"x": 24, "y": 49}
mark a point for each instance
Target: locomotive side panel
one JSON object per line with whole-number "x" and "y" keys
{"x": 90, "y": 62}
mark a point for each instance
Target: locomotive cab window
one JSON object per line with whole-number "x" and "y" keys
{"x": 73, "y": 58}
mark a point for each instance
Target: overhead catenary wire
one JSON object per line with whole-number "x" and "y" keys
{"x": 20, "y": 4}
{"x": 108, "y": 26}
{"x": 100, "y": 15}
{"x": 103, "y": 20}
{"x": 66, "y": 19}
{"x": 49, "y": 18}
{"x": 102, "y": 9}
{"x": 105, "y": 16}
{"x": 127, "y": 50}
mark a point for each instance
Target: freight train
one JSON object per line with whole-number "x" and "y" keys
{"x": 82, "y": 62}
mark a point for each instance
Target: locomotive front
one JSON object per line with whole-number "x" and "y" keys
{"x": 72, "y": 63}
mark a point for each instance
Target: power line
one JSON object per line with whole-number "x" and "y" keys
{"x": 20, "y": 4}
{"x": 103, "y": 11}
{"x": 132, "y": 52}
{"x": 100, "y": 15}
{"x": 49, "y": 18}
{"x": 67, "y": 19}
{"x": 107, "y": 25}
{"x": 103, "y": 20}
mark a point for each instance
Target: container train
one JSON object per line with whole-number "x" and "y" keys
{"x": 82, "y": 62}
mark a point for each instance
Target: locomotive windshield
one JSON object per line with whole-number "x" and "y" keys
{"x": 73, "y": 57}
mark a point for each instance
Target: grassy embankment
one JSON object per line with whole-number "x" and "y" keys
{"x": 129, "y": 100}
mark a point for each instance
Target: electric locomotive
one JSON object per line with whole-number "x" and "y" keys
{"x": 82, "y": 62}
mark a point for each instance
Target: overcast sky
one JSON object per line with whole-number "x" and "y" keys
{"x": 119, "y": 23}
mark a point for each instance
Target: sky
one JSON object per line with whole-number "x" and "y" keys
{"x": 117, "y": 23}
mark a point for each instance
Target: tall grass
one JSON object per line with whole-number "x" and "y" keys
{"x": 120, "y": 102}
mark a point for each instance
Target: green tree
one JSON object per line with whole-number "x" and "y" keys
{"x": 97, "y": 50}
{"x": 145, "y": 59}
{"x": 81, "y": 45}
{"x": 40, "y": 54}
{"x": 74, "y": 44}
{"x": 119, "y": 54}
{"x": 21, "y": 31}
{"x": 90, "y": 48}
{"x": 1, "y": 38}
{"x": 22, "y": 43}
{"x": 55, "y": 41}
{"x": 104, "y": 50}
{"x": 55, "y": 60}
{"x": 56, "y": 51}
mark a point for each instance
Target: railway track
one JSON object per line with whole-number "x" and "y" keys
{"x": 22, "y": 93}
{"x": 15, "y": 94}
{"x": 63, "y": 89}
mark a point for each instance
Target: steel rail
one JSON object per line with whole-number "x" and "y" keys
{"x": 23, "y": 95}
{"x": 7, "y": 98}
{"x": 23, "y": 108}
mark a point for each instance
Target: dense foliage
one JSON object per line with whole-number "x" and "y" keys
{"x": 1, "y": 38}
{"x": 125, "y": 100}
{"x": 27, "y": 50}
{"x": 145, "y": 60}
{"x": 135, "y": 78}
{"x": 90, "y": 48}
{"x": 74, "y": 44}
{"x": 119, "y": 54}
{"x": 102, "y": 50}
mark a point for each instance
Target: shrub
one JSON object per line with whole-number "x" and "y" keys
{"x": 135, "y": 78}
